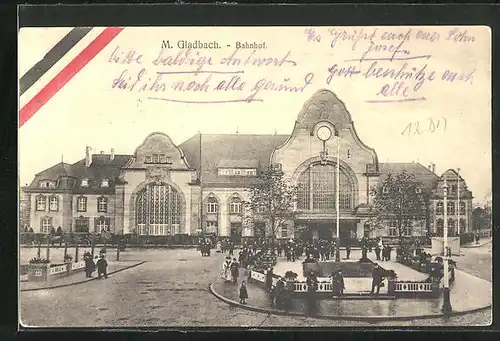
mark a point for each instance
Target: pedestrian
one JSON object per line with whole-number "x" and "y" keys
{"x": 89, "y": 265}
{"x": 348, "y": 250}
{"x": 234, "y": 270}
{"x": 102, "y": 267}
{"x": 376, "y": 279}
{"x": 243, "y": 293}
{"x": 338, "y": 284}
{"x": 377, "y": 252}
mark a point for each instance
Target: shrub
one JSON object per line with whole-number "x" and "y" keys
{"x": 36, "y": 260}
{"x": 290, "y": 276}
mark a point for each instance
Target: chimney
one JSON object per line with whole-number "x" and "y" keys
{"x": 102, "y": 152}
{"x": 88, "y": 156}
{"x": 112, "y": 155}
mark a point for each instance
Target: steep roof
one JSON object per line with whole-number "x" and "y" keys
{"x": 229, "y": 150}
{"x": 102, "y": 167}
{"x": 428, "y": 178}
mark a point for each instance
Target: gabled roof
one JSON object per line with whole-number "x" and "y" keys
{"x": 238, "y": 149}
{"x": 428, "y": 178}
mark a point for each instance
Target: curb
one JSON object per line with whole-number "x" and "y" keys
{"x": 472, "y": 246}
{"x": 84, "y": 281}
{"x": 345, "y": 317}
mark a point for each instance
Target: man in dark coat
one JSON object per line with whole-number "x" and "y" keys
{"x": 102, "y": 267}
{"x": 377, "y": 277}
{"x": 338, "y": 285}
{"x": 348, "y": 251}
{"x": 234, "y": 270}
{"x": 89, "y": 265}
{"x": 243, "y": 293}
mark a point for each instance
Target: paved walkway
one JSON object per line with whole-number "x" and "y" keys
{"x": 468, "y": 293}
{"x": 79, "y": 277}
{"x": 481, "y": 243}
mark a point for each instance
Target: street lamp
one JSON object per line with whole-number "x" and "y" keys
{"x": 446, "y": 276}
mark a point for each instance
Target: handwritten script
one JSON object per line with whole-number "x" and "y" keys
{"x": 399, "y": 61}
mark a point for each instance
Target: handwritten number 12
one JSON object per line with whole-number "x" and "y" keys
{"x": 414, "y": 128}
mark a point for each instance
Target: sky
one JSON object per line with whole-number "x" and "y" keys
{"x": 388, "y": 113}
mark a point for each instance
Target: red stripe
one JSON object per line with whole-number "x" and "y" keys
{"x": 67, "y": 73}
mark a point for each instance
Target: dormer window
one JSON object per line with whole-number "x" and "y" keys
{"x": 148, "y": 159}
{"x": 85, "y": 183}
{"x": 105, "y": 183}
{"x": 46, "y": 184}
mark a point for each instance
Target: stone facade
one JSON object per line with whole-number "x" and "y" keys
{"x": 198, "y": 186}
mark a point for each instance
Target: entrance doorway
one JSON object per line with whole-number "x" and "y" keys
{"x": 236, "y": 230}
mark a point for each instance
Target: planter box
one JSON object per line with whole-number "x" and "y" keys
{"x": 38, "y": 272}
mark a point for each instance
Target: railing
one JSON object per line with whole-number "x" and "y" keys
{"x": 58, "y": 269}
{"x": 412, "y": 287}
{"x": 303, "y": 287}
{"x": 79, "y": 265}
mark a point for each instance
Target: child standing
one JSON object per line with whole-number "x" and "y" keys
{"x": 243, "y": 293}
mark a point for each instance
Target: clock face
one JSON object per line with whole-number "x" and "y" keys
{"x": 324, "y": 133}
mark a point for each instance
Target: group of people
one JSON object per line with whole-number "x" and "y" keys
{"x": 231, "y": 272}
{"x": 318, "y": 249}
{"x": 96, "y": 262}
{"x": 383, "y": 249}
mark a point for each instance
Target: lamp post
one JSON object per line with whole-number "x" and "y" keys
{"x": 337, "y": 199}
{"x": 458, "y": 201}
{"x": 446, "y": 276}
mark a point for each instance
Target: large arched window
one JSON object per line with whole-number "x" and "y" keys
{"x": 212, "y": 205}
{"x": 317, "y": 189}
{"x": 235, "y": 205}
{"x": 158, "y": 210}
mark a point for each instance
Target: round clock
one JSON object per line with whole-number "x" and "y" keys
{"x": 324, "y": 133}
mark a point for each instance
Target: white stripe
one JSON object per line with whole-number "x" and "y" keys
{"x": 50, "y": 37}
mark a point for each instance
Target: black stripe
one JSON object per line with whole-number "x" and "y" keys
{"x": 52, "y": 57}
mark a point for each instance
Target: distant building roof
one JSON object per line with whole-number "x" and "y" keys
{"x": 428, "y": 178}
{"x": 229, "y": 150}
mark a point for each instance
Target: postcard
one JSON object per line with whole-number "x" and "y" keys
{"x": 255, "y": 176}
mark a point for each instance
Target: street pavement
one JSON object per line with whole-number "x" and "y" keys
{"x": 171, "y": 290}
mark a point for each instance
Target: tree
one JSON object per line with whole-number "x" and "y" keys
{"x": 271, "y": 198}
{"x": 399, "y": 198}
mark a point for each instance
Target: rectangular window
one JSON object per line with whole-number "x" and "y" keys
{"x": 40, "y": 203}
{"x": 102, "y": 225}
{"x": 53, "y": 204}
{"x": 102, "y": 204}
{"x": 212, "y": 207}
{"x": 82, "y": 204}
{"x": 259, "y": 230}
{"x": 85, "y": 183}
{"x": 393, "y": 230}
{"x": 46, "y": 225}
{"x": 235, "y": 207}
{"x": 82, "y": 224}
{"x": 284, "y": 231}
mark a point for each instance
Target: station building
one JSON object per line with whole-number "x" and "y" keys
{"x": 199, "y": 186}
